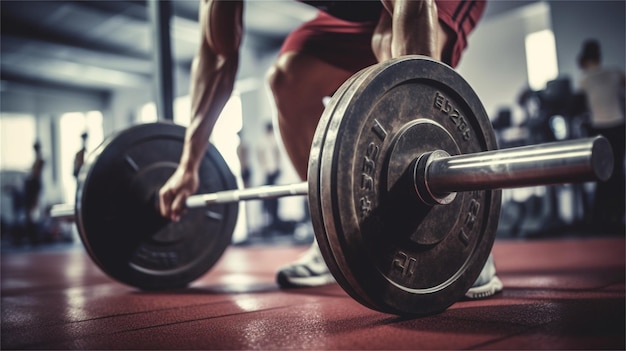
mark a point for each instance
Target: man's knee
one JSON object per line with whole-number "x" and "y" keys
{"x": 280, "y": 78}
{"x": 275, "y": 79}
{"x": 299, "y": 82}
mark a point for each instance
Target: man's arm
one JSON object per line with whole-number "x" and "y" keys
{"x": 213, "y": 75}
{"x": 406, "y": 28}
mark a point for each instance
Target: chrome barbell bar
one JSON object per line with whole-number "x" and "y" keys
{"x": 438, "y": 176}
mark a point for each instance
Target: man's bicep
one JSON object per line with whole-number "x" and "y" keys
{"x": 222, "y": 25}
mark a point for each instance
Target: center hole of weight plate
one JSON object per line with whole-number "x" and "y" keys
{"x": 145, "y": 186}
{"x": 411, "y": 218}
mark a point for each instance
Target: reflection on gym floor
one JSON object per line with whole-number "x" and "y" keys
{"x": 558, "y": 294}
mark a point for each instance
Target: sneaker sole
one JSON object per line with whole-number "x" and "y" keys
{"x": 480, "y": 292}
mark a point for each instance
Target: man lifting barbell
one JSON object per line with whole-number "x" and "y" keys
{"x": 403, "y": 182}
{"x": 314, "y": 61}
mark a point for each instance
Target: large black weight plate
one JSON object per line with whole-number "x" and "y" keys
{"x": 389, "y": 251}
{"x": 117, "y": 217}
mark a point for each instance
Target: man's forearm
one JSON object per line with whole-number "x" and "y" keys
{"x": 213, "y": 73}
{"x": 415, "y": 28}
{"x": 212, "y": 86}
{"x": 408, "y": 27}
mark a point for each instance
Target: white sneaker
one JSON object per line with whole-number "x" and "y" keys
{"x": 309, "y": 270}
{"x": 487, "y": 284}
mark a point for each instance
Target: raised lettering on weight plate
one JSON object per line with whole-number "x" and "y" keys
{"x": 168, "y": 259}
{"x": 470, "y": 220}
{"x": 368, "y": 169}
{"x": 365, "y": 205}
{"x": 404, "y": 264}
{"x": 472, "y": 214}
{"x": 446, "y": 107}
{"x": 378, "y": 129}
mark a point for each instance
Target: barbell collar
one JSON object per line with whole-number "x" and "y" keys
{"x": 258, "y": 193}
{"x": 581, "y": 160}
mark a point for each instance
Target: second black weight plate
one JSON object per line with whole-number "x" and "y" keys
{"x": 117, "y": 217}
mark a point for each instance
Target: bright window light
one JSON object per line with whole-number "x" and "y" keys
{"x": 71, "y": 126}
{"x": 224, "y": 135}
{"x": 182, "y": 106}
{"x": 93, "y": 126}
{"x": 148, "y": 113}
{"x": 541, "y": 59}
{"x": 17, "y": 136}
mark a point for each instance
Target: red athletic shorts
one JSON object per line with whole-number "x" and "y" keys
{"x": 348, "y": 45}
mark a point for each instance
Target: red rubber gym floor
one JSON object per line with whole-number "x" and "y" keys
{"x": 559, "y": 294}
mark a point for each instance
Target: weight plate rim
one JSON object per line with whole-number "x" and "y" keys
{"x": 313, "y": 176}
{"x": 327, "y": 150}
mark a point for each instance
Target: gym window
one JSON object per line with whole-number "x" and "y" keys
{"x": 541, "y": 58}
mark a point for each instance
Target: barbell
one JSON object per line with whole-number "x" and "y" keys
{"x": 403, "y": 187}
